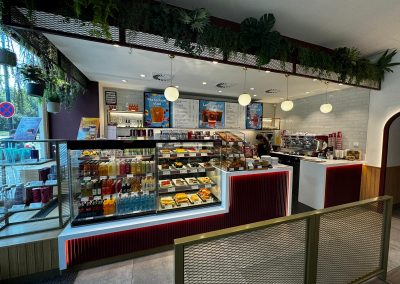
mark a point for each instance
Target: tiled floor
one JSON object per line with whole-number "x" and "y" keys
{"x": 159, "y": 268}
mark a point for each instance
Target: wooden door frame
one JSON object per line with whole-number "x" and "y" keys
{"x": 385, "y": 145}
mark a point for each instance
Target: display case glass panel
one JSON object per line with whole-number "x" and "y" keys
{"x": 34, "y": 195}
{"x": 187, "y": 175}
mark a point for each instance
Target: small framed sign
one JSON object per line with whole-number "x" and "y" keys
{"x": 110, "y": 97}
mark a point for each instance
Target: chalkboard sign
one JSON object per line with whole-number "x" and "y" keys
{"x": 111, "y": 97}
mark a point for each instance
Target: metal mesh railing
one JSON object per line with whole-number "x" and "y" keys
{"x": 343, "y": 244}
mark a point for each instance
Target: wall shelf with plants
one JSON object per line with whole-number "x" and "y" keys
{"x": 196, "y": 33}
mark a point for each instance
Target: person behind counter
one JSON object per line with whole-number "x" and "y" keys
{"x": 263, "y": 146}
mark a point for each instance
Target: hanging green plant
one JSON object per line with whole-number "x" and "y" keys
{"x": 257, "y": 38}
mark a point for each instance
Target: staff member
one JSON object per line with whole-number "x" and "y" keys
{"x": 263, "y": 146}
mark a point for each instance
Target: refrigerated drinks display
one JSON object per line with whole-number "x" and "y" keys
{"x": 34, "y": 195}
{"x": 114, "y": 179}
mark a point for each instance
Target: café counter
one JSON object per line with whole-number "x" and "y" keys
{"x": 246, "y": 197}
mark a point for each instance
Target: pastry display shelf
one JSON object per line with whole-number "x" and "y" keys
{"x": 114, "y": 195}
{"x": 184, "y": 206}
{"x": 174, "y": 171}
{"x": 184, "y": 188}
{"x": 186, "y": 155}
{"x": 87, "y": 178}
{"x": 232, "y": 143}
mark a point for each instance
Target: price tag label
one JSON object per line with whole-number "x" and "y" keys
{"x": 204, "y": 154}
{"x": 193, "y": 171}
{"x": 113, "y": 177}
{"x": 202, "y": 170}
{"x": 171, "y": 189}
{"x": 208, "y": 185}
{"x": 209, "y": 200}
{"x": 195, "y": 187}
{"x": 251, "y": 167}
{"x": 103, "y": 177}
{"x": 149, "y": 174}
{"x": 231, "y": 169}
{"x": 166, "y": 172}
{"x": 236, "y": 155}
{"x": 241, "y": 168}
{"x": 145, "y": 192}
{"x": 129, "y": 176}
{"x": 180, "y": 155}
{"x": 166, "y": 155}
{"x": 192, "y": 154}
{"x": 183, "y": 171}
{"x": 87, "y": 178}
{"x": 231, "y": 143}
{"x": 259, "y": 167}
{"x": 168, "y": 206}
{"x": 173, "y": 138}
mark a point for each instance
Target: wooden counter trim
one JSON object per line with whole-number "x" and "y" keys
{"x": 370, "y": 179}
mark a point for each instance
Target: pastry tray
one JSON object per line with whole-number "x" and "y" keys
{"x": 189, "y": 205}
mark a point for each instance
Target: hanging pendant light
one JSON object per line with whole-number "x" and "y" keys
{"x": 245, "y": 98}
{"x": 171, "y": 93}
{"x": 287, "y": 105}
{"x": 326, "y": 107}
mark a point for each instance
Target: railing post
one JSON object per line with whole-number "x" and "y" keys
{"x": 312, "y": 249}
{"x": 387, "y": 215}
{"x": 179, "y": 261}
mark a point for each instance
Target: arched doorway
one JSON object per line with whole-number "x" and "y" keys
{"x": 389, "y": 182}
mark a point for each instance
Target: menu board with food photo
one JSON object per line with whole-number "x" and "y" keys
{"x": 254, "y": 114}
{"x": 211, "y": 114}
{"x": 156, "y": 110}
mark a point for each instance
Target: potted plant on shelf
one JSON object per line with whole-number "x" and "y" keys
{"x": 57, "y": 90}
{"x": 34, "y": 78}
{"x": 53, "y": 103}
{"x": 8, "y": 57}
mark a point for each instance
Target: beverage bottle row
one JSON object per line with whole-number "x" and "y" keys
{"x": 112, "y": 186}
{"x": 116, "y": 167}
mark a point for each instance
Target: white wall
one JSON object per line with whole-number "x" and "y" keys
{"x": 383, "y": 105}
{"x": 349, "y": 115}
{"x": 393, "y": 158}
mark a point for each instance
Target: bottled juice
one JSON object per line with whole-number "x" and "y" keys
{"x": 110, "y": 168}
{"x": 117, "y": 165}
{"x": 89, "y": 188}
{"x": 122, "y": 168}
{"x": 110, "y": 186}
{"x": 128, "y": 167}
{"x": 140, "y": 168}
{"x": 133, "y": 167}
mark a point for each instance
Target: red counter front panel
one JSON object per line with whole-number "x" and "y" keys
{"x": 253, "y": 198}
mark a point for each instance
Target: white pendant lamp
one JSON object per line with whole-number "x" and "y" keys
{"x": 244, "y": 99}
{"x": 171, "y": 93}
{"x": 287, "y": 105}
{"x": 326, "y": 107}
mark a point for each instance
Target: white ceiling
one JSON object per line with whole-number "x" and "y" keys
{"x": 370, "y": 25}
{"x": 110, "y": 65}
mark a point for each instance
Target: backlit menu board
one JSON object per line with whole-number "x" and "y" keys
{"x": 254, "y": 114}
{"x": 156, "y": 110}
{"x": 211, "y": 114}
{"x": 235, "y": 115}
{"x": 185, "y": 113}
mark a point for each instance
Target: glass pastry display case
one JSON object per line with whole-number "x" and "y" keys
{"x": 34, "y": 195}
{"x": 232, "y": 150}
{"x": 111, "y": 179}
{"x": 114, "y": 179}
{"x": 186, "y": 175}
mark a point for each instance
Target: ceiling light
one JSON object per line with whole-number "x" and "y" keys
{"x": 254, "y": 95}
{"x": 315, "y": 80}
{"x": 340, "y": 84}
{"x": 219, "y": 91}
{"x": 204, "y": 83}
{"x": 307, "y": 92}
{"x": 171, "y": 93}
{"x": 215, "y": 62}
{"x": 177, "y": 86}
{"x": 116, "y": 45}
{"x": 142, "y": 75}
{"x": 326, "y": 107}
{"x": 282, "y": 98}
{"x": 267, "y": 71}
{"x": 244, "y": 99}
{"x": 124, "y": 81}
{"x": 287, "y": 105}
{"x": 252, "y": 88}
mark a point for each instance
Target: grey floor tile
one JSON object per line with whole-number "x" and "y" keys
{"x": 120, "y": 272}
{"x": 157, "y": 269}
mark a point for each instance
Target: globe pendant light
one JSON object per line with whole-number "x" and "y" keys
{"x": 287, "y": 105}
{"x": 327, "y": 107}
{"x": 244, "y": 99}
{"x": 171, "y": 93}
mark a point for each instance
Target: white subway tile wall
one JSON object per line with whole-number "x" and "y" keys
{"x": 349, "y": 115}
